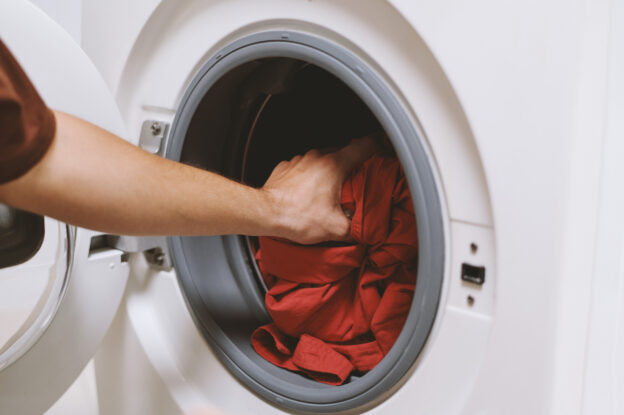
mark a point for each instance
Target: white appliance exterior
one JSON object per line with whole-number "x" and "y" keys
{"x": 521, "y": 106}
{"x": 67, "y": 13}
{"x": 168, "y": 48}
{"x": 64, "y": 344}
{"x": 531, "y": 81}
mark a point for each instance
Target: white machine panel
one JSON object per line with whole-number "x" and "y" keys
{"x": 67, "y": 81}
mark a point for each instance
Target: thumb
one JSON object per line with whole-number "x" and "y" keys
{"x": 341, "y": 227}
{"x": 354, "y": 154}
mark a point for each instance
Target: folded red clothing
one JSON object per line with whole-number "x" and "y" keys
{"x": 338, "y": 310}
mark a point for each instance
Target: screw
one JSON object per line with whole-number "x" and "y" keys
{"x": 159, "y": 258}
{"x": 470, "y": 300}
{"x": 473, "y": 248}
{"x": 156, "y": 128}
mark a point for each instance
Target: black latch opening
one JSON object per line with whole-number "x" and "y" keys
{"x": 473, "y": 274}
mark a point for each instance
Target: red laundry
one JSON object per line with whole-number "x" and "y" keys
{"x": 338, "y": 309}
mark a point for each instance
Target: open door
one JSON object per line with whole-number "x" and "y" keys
{"x": 57, "y": 296}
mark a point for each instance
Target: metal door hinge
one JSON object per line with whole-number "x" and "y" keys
{"x": 153, "y": 247}
{"x": 153, "y": 137}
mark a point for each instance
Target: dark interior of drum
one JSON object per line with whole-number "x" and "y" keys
{"x": 267, "y": 111}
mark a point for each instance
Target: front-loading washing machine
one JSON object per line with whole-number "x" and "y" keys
{"x": 503, "y": 117}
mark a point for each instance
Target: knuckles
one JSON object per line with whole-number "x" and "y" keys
{"x": 313, "y": 154}
{"x": 329, "y": 161}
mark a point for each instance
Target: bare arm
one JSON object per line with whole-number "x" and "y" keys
{"x": 91, "y": 178}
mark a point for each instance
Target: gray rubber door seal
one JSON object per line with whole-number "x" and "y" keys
{"x": 215, "y": 273}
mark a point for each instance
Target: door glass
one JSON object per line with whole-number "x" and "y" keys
{"x": 21, "y": 235}
{"x": 31, "y": 291}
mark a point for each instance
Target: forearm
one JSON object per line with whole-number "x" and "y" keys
{"x": 93, "y": 179}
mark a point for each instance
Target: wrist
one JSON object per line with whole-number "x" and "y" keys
{"x": 271, "y": 218}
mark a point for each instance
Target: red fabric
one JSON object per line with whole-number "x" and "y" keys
{"x": 339, "y": 309}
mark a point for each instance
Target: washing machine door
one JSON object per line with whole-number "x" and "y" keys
{"x": 58, "y": 294}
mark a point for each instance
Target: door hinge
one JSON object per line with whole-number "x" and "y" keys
{"x": 154, "y": 248}
{"x": 153, "y": 137}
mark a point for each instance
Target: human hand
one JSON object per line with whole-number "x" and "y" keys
{"x": 305, "y": 192}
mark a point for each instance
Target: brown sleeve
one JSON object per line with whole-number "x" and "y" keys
{"x": 27, "y": 125}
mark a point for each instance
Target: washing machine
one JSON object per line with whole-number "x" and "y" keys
{"x": 504, "y": 116}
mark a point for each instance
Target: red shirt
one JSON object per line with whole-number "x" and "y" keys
{"x": 338, "y": 309}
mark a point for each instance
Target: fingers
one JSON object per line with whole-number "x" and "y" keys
{"x": 355, "y": 154}
{"x": 285, "y": 165}
{"x": 312, "y": 154}
{"x": 347, "y": 157}
{"x": 281, "y": 167}
{"x": 341, "y": 227}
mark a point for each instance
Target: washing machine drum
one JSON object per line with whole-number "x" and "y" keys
{"x": 252, "y": 106}
{"x": 270, "y": 111}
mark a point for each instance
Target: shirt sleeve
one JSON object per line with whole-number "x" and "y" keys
{"x": 27, "y": 125}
